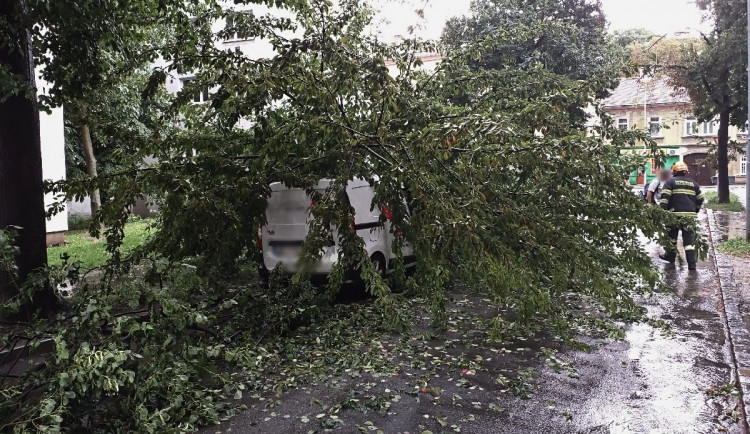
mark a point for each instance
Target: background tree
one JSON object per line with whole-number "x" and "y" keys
{"x": 714, "y": 72}
{"x": 119, "y": 120}
{"x": 662, "y": 55}
{"x": 93, "y": 78}
{"x": 581, "y": 52}
{"x": 631, "y": 37}
{"x": 79, "y": 46}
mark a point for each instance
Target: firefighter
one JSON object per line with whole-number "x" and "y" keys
{"x": 682, "y": 196}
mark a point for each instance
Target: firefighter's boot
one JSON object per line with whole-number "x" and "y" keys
{"x": 691, "y": 257}
{"x": 669, "y": 257}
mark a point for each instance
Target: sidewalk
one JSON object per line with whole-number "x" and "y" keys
{"x": 734, "y": 279}
{"x": 678, "y": 374}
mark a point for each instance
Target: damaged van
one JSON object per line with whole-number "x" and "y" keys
{"x": 288, "y": 216}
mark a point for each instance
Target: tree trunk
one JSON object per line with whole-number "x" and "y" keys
{"x": 88, "y": 155}
{"x": 21, "y": 186}
{"x": 723, "y": 157}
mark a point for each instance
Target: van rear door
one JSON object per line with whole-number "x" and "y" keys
{"x": 287, "y": 216}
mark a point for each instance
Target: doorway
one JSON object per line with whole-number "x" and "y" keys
{"x": 700, "y": 170}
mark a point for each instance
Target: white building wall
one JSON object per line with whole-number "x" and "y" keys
{"x": 52, "y": 132}
{"x": 430, "y": 62}
{"x": 80, "y": 209}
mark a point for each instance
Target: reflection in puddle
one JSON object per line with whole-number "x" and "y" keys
{"x": 731, "y": 224}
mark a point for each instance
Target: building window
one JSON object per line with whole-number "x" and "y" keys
{"x": 200, "y": 95}
{"x": 691, "y": 126}
{"x": 654, "y": 126}
{"x": 743, "y": 165}
{"x": 622, "y": 123}
{"x": 235, "y": 29}
{"x": 707, "y": 128}
{"x": 230, "y": 30}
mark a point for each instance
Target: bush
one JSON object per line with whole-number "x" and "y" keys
{"x": 734, "y": 205}
{"x": 78, "y": 223}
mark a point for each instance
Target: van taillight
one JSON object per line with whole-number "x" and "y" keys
{"x": 387, "y": 213}
{"x": 354, "y": 227}
{"x": 260, "y": 237}
{"x": 313, "y": 203}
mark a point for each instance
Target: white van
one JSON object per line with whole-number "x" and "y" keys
{"x": 288, "y": 216}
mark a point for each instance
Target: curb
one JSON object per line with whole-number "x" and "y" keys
{"x": 738, "y": 336}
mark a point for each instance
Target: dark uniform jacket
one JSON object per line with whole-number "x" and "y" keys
{"x": 682, "y": 196}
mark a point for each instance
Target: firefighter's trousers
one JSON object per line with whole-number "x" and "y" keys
{"x": 688, "y": 240}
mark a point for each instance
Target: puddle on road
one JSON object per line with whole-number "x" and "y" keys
{"x": 731, "y": 225}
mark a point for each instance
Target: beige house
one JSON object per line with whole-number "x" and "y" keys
{"x": 653, "y": 105}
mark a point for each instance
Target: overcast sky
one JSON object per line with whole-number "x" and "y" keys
{"x": 658, "y": 16}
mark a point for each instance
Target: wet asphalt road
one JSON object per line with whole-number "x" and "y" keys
{"x": 649, "y": 383}
{"x": 663, "y": 383}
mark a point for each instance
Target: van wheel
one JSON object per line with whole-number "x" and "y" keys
{"x": 358, "y": 289}
{"x": 264, "y": 276}
{"x": 378, "y": 261}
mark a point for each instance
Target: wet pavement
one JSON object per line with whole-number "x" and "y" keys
{"x": 734, "y": 277}
{"x": 668, "y": 381}
{"x": 652, "y": 382}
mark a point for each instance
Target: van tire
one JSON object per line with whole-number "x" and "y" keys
{"x": 358, "y": 289}
{"x": 378, "y": 260}
{"x": 264, "y": 276}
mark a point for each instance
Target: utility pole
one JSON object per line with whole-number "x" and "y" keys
{"x": 747, "y": 149}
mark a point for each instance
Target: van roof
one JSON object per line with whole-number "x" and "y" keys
{"x": 324, "y": 184}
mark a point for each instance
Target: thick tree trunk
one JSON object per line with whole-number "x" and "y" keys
{"x": 88, "y": 155}
{"x": 21, "y": 188}
{"x": 723, "y": 157}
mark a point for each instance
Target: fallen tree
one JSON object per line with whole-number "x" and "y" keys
{"x": 509, "y": 194}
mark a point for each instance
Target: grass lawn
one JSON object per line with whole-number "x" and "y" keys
{"x": 736, "y": 247}
{"x": 80, "y": 246}
{"x": 712, "y": 202}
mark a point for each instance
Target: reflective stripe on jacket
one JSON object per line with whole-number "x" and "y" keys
{"x": 682, "y": 196}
